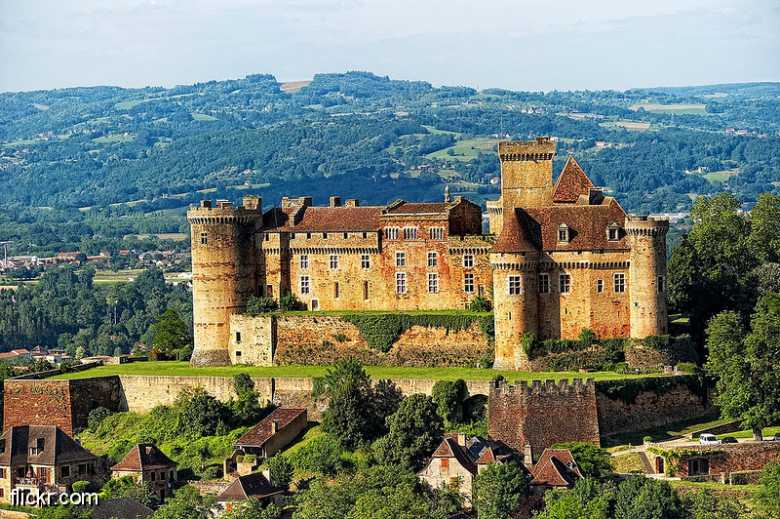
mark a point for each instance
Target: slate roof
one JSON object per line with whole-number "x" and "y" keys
{"x": 263, "y": 431}
{"x": 144, "y": 456}
{"x": 403, "y": 207}
{"x": 253, "y": 485}
{"x": 58, "y": 447}
{"x": 121, "y": 508}
{"x": 556, "y": 468}
{"x": 477, "y": 451}
{"x": 323, "y": 219}
{"x": 571, "y": 183}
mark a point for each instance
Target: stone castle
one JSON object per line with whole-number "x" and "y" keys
{"x": 558, "y": 258}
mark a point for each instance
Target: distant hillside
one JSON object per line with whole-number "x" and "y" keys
{"x": 108, "y": 160}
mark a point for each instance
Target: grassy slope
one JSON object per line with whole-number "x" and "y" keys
{"x": 185, "y": 370}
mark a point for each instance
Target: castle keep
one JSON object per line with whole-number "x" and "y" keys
{"x": 558, "y": 258}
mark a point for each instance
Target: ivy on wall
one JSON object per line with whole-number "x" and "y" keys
{"x": 380, "y": 330}
{"x": 627, "y": 390}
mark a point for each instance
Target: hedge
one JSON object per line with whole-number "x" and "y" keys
{"x": 380, "y": 330}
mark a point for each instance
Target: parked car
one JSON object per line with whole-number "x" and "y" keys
{"x": 709, "y": 439}
{"x": 728, "y": 439}
{"x": 775, "y": 438}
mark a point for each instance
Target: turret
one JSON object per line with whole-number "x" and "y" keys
{"x": 224, "y": 272}
{"x": 647, "y": 275}
{"x": 526, "y": 173}
{"x": 515, "y": 261}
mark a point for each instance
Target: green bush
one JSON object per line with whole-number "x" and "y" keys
{"x": 288, "y": 301}
{"x": 322, "y": 454}
{"x": 687, "y": 367}
{"x": 96, "y": 417}
{"x": 261, "y": 305}
{"x": 480, "y": 304}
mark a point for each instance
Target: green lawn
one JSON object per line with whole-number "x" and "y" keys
{"x": 203, "y": 117}
{"x": 183, "y": 369}
{"x": 465, "y": 149}
{"x": 676, "y": 430}
{"x": 718, "y": 177}
{"x": 672, "y": 108}
{"x": 114, "y": 137}
{"x": 768, "y": 431}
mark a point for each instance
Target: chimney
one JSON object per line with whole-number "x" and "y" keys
{"x": 275, "y": 427}
{"x": 334, "y": 201}
{"x": 224, "y": 203}
{"x": 206, "y": 204}
{"x": 252, "y": 203}
{"x": 305, "y": 201}
{"x": 267, "y": 474}
{"x": 285, "y": 202}
{"x": 528, "y": 458}
{"x": 462, "y": 439}
{"x": 352, "y": 202}
{"x": 595, "y": 196}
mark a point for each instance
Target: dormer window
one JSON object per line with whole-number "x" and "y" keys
{"x": 563, "y": 233}
{"x": 613, "y": 232}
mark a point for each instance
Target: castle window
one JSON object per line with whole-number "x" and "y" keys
{"x": 468, "y": 260}
{"x": 305, "y": 287}
{"x": 365, "y": 290}
{"x": 204, "y": 238}
{"x": 391, "y": 233}
{"x": 400, "y": 259}
{"x": 564, "y": 283}
{"x": 365, "y": 235}
{"x": 433, "y": 283}
{"x": 308, "y": 236}
{"x": 563, "y": 233}
{"x": 346, "y": 235}
{"x": 238, "y": 353}
{"x": 444, "y": 466}
{"x": 269, "y": 290}
{"x": 238, "y": 337}
{"x": 544, "y": 283}
{"x": 334, "y": 261}
{"x": 336, "y": 290}
{"x": 365, "y": 261}
{"x": 599, "y": 285}
{"x": 468, "y": 282}
{"x": 410, "y": 233}
{"x": 304, "y": 261}
{"x": 266, "y": 236}
{"x": 324, "y": 236}
{"x": 400, "y": 282}
{"x": 661, "y": 284}
{"x": 437, "y": 233}
{"x": 514, "y": 285}
{"x": 620, "y": 282}
{"x": 613, "y": 232}
{"x": 433, "y": 259}
{"x": 154, "y": 476}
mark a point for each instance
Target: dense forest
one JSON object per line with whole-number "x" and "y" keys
{"x": 84, "y": 166}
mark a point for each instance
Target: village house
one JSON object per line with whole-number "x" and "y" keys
{"x": 269, "y": 436}
{"x": 19, "y": 355}
{"x": 145, "y": 463}
{"x": 35, "y": 458}
{"x": 255, "y": 486}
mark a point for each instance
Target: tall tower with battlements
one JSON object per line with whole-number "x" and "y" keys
{"x": 224, "y": 272}
{"x": 647, "y": 275}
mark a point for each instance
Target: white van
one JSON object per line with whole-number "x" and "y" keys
{"x": 709, "y": 439}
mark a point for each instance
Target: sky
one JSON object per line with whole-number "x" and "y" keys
{"x": 520, "y": 44}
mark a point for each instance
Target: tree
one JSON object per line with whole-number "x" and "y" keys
{"x": 765, "y": 228}
{"x": 322, "y": 454}
{"x": 592, "y": 460}
{"x": 748, "y": 382}
{"x": 414, "y": 431}
{"x": 641, "y": 498}
{"x": 186, "y": 503}
{"x": 587, "y": 500}
{"x": 253, "y": 509}
{"x": 386, "y": 399}
{"x": 245, "y": 408}
{"x": 498, "y": 490}
{"x": 768, "y": 496}
{"x": 169, "y": 333}
{"x": 449, "y": 397}
{"x": 703, "y": 504}
{"x": 281, "y": 470}
{"x": 350, "y": 414}
{"x": 128, "y": 487}
{"x": 199, "y": 414}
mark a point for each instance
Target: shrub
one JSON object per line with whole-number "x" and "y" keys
{"x": 687, "y": 367}
{"x": 261, "y": 305}
{"x": 281, "y": 470}
{"x": 593, "y": 461}
{"x": 480, "y": 304}
{"x": 288, "y": 301}
{"x": 340, "y": 337}
{"x": 587, "y": 337}
{"x": 80, "y": 486}
{"x": 96, "y": 417}
{"x": 322, "y": 454}
{"x": 449, "y": 396}
{"x": 647, "y": 439}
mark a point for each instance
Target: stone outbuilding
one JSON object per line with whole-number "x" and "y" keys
{"x": 147, "y": 464}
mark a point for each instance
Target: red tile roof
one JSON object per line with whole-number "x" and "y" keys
{"x": 403, "y": 207}
{"x": 587, "y": 226}
{"x": 571, "y": 183}
{"x": 513, "y": 237}
{"x": 556, "y": 468}
{"x": 253, "y": 485}
{"x": 144, "y": 456}
{"x": 263, "y": 431}
{"x": 449, "y": 448}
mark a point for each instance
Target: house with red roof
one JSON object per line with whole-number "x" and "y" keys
{"x": 146, "y": 463}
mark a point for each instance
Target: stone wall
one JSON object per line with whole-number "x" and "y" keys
{"x": 323, "y": 339}
{"x": 543, "y": 414}
{"x": 725, "y": 459}
{"x": 252, "y": 339}
{"x": 64, "y": 403}
{"x": 656, "y": 403}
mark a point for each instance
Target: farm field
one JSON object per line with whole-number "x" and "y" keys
{"x": 674, "y": 108}
{"x": 721, "y": 176}
{"x": 465, "y": 149}
{"x": 637, "y": 126}
{"x": 183, "y": 369}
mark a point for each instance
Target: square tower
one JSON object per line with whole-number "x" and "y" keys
{"x": 526, "y": 173}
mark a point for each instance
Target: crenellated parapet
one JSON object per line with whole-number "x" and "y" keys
{"x": 646, "y": 226}
{"x": 548, "y": 388}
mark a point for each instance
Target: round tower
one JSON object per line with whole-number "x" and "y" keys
{"x": 515, "y": 305}
{"x": 224, "y": 272}
{"x": 647, "y": 275}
